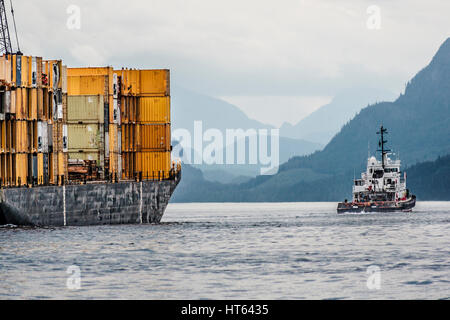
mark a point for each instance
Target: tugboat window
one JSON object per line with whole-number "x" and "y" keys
{"x": 378, "y": 174}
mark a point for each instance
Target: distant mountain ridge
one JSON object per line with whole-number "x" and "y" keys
{"x": 321, "y": 125}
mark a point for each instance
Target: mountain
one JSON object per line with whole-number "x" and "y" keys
{"x": 188, "y": 107}
{"x": 321, "y": 125}
{"x": 419, "y": 131}
{"x": 430, "y": 180}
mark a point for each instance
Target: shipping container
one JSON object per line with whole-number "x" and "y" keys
{"x": 129, "y": 165}
{"x": 154, "y": 82}
{"x": 33, "y": 104}
{"x": 87, "y": 85}
{"x": 129, "y": 80}
{"x": 85, "y": 109}
{"x": 154, "y": 110}
{"x": 64, "y": 79}
{"x": 153, "y": 165}
{"x": 21, "y": 136}
{"x": 85, "y": 136}
{"x": 5, "y": 69}
{"x": 113, "y": 139}
{"x": 40, "y": 165}
{"x": 62, "y": 164}
{"x": 90, "y": 71}
{"x": 20, "y": 168}
{"x": 86, "y": 155}
{"x": 153, "y": 137}
{"x": 43, "y": 136}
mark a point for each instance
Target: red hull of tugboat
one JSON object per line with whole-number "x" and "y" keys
{"x": 387, "y": 206}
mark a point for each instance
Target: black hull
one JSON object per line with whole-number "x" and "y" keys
{"x": 348, "y": 207}
{"x": 84, "y": 205}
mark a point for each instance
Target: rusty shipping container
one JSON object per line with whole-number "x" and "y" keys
{"x": 154, "y": 83}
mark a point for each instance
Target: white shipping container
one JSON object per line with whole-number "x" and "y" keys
{"x": 34, "y": 72}
{"x": 42, "y": 136}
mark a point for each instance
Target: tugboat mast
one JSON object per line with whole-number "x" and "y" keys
{"x": 381, "y": 143}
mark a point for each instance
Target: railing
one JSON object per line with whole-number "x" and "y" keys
{"x": 33, "y": 181}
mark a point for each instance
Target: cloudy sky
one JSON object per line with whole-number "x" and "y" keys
{"x": 277, "y": 60}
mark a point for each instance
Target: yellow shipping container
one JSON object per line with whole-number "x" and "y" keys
{"x": 154, "y": 110}
{"x": 128, "y": 165}
{"x": 90, "y": 71}
{"x": 33, "y": 104}
{"x": 26, "y": 71}
{"x": 87, "y": 109}
{"x": 154, "y": 82}
{"x": 153, "y": 165}
{"x": 105, "y": 73}
{"x": 130, "y": 81}
{"x": 113, "y": 139}
{"x": 21, "y": 103}
{"x": 87, "y": 85}
{"x": 21, "y": 136}
{"x": 153, "y": 137}
{"x": 3, "y": 137}
{"x": 62, "y": 164}
{"x": 129, "y": 143}
{"x": 5, "y": 69}
{"x": 14, "y": 69}
{"x": 40, "y": 104}
{"x": 40, "y": 162}
{"x": 20, "y": 168}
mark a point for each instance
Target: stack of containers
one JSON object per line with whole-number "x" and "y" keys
{"x": 92, "y": 130}
{"x": 127, "y": 99}
{"x": 153, "y": 124}
{"x": 57, "y": 116}
{"x": 28, "y": 98}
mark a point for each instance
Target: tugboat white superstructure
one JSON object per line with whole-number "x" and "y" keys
{"x": 382, "y": 188}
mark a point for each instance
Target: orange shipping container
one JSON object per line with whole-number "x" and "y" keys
{"x": 33, "y": 104}
{"x": 20, "y": 168}
{"x": 154, "y": 82}
{"x": 153, "y": 165}
{"x": 22, "y": 137}
{"x": 87, "y": 85}
{"x": 154, "y": 110}
{"x": 153, "y": 137}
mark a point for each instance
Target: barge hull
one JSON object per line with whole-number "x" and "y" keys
{"x": 386, "y": 207}
{"x": 85, "y": 205}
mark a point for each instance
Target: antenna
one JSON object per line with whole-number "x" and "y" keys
{"x": 5, "y": 40}
{"x": 381, "y": 143}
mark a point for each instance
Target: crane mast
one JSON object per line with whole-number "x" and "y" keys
{"x": 5, "y": 38}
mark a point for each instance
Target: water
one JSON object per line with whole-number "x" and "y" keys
{"x": 237, "y": 251}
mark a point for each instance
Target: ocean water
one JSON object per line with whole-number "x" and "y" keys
{"x": 236, "y": 251}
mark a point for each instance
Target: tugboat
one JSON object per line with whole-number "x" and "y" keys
{"x": 382, "y": 188}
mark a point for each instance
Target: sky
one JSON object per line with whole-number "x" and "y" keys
{"x": 276, "y": 60}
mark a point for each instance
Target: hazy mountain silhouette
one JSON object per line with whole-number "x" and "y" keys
{"x": 321, "y": 125}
